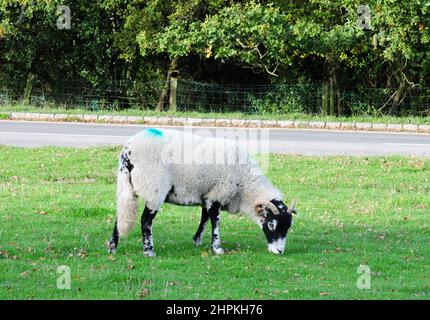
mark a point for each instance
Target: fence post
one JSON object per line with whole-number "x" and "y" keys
{"x": 28, "y": 88}
{"x": 331, "y": 111}
{"x": 172, "y": 95}
{"x": 324, "y": 100}
{"x": 172, "y": 72}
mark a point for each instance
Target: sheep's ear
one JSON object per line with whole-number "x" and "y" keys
{"x": 260, "y": 210}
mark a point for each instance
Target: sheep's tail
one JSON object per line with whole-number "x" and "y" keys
{"x": 126, "y": 197}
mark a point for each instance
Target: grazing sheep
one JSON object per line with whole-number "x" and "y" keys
{"x": 186, "y": 169}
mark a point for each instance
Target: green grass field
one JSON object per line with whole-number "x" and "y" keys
{"x": 57, "y": 208}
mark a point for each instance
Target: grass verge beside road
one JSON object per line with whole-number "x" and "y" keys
{"x": 6, "y": 109}
{"x": 58, "y": 207}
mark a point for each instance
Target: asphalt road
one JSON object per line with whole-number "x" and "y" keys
{"x": 288, "y": 141}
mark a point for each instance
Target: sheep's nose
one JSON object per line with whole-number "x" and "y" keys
{"x": 277, "y": 247}
{"x": 275, "y": 250}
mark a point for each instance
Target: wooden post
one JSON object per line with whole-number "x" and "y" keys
{"x": 28, "y": 88}
{"x": 324, "y": 100}
{"x": 165, "y": 90}
{"x": 172, "y": 95}
{"x": 332, "y": 98}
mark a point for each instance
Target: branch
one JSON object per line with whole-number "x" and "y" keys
{"x": 272, "y": 73}
{"x": 253, "y": 69}
{"x": 413, "y": 85}
{"x": 392, "y": 96}
{"x": 241, "y": 44}
{"x": 255, "y": 48}
{"x": 259, "y": 53}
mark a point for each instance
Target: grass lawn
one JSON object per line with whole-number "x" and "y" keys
{"x": 6, "y": 109}
{"x": 57, "y": 208}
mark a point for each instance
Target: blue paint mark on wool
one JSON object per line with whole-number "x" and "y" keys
{"x": 154, "y": 132}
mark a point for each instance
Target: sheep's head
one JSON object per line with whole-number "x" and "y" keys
{"x": 276, "y": 219}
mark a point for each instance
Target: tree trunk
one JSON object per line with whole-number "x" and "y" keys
{"x": 397, "y": 98}
{"x": 28, "y": 88}
{"x": 164, "y": 92}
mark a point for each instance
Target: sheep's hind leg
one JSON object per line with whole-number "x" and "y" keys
{"x": 214, "y": 215}
{"x": 198, "y": 237}
{"x": 146, "y": 223}
{"x": 113, "y": 242}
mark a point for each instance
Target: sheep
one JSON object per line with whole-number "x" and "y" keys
{"x": 159, "y": 165}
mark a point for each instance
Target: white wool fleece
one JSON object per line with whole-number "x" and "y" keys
{"x": 186, "y": 169}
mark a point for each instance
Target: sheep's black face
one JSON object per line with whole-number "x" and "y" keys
{"x": 276, "y": 219}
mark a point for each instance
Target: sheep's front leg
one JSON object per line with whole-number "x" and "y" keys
{"x": 146, "y": 222}
{"x": 214, "y": 215}
{"x": 200, "y": 230}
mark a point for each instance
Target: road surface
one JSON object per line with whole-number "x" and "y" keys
{"x": 288, "y": 141}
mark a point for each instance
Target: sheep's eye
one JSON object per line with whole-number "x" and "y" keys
{"x": 271, "y": 226}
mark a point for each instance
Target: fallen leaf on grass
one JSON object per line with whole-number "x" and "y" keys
{"x": 204, "y": 254}
{"x": 322, "y": 294}
{"x": 42, "y": 212}
{"x": 82, "y": 254}
{"x": 381, "y": 237}
{"x": 144, "y": 292}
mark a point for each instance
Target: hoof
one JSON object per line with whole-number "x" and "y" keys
{"x": 149, "y": 254}
{"x": 218, "y": 250}
{"x": 197, "y": 241}
{"x": 111, "y": 247}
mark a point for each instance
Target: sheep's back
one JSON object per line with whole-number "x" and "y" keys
{"x": 194, "y": 167}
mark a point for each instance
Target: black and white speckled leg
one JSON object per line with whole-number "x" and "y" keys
{"x": 113, "y": 242}
{"x": 146, "y": 224}
{"x": 198, "y": 237}
{"x": 215, "y": 221}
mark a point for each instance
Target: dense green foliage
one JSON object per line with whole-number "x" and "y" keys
{"x": 224, "y": 41}
{"x": 58, "y": 209}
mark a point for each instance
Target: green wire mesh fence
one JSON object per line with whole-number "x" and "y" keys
{"x": 312, "y": 98}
